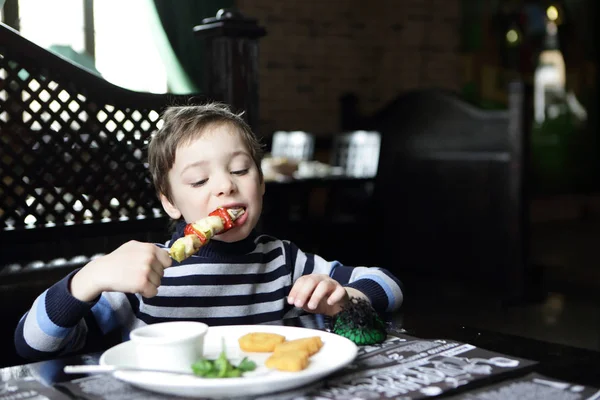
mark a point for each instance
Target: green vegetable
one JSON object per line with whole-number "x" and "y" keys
{"x": 247, "y": 365}
{"x": 221, "y": 367}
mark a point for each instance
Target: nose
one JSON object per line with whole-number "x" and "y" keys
{"x": 224, "y": 186}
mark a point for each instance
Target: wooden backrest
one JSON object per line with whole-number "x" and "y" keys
{"x": 452, "y": 178}
{"x": 72, "y": 157}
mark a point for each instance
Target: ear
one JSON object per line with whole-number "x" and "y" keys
{"x": 169, "y": 207}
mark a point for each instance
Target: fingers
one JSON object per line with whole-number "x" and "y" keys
{"x": 311, "y": 290}
{"x": 162, "y": 255}
{"x": 134, "y": 267}
{"x": 145, "y": 281}
{"x": 323, "y": 289}
{"x": 156, "y": 266}
{"x": 303, "y": 289}
{"x": 294, "y": 292}
{"x": 159, "y": 261}
{"x": 154, "y": 277}
{"x": 154, "y": 262}
{"x": 339, "y": 295}
{"x": 149, "y": 291}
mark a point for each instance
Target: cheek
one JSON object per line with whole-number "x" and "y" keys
{"x": 256, "y": 190}
{"x": 193, "y": 203}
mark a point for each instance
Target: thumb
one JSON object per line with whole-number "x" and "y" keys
{"x": 163, "y": 257}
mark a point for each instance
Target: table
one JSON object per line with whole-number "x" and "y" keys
{"x": 556, "y": 361}
{"x": 321, "y": 215}
{"x": 568, "y": 363}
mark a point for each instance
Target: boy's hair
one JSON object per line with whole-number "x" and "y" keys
{"x": 182, "y": 124}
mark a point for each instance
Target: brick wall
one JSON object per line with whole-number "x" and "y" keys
{"x": 316, "y": 50}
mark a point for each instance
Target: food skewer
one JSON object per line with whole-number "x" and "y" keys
{"x": 200, "y": 232}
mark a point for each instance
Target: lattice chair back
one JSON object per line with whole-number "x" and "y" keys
{"x": 296, "y": 145}
{"x": 357, "y": 153}
{"x": 72, "y": 145}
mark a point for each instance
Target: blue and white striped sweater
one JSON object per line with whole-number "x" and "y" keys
{"x": 224, "y": 284}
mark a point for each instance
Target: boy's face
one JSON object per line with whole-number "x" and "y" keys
{"x": 215, "y": 170}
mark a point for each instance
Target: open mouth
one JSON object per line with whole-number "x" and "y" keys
{"x": 236, "y": 212}
{"x": 238, "y": 215}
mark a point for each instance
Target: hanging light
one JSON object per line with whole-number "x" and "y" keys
{"x": 554, "y": 13}
{"x": 513, "y": 36}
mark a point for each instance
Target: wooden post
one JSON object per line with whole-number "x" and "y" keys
{"x": 231, "y": 66}
{"x": 523, "y": 279}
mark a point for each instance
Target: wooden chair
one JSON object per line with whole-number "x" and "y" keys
{"x": 295, "y": 145}
{"x": 451, "y": 191}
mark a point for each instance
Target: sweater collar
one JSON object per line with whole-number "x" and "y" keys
{"x": 216, "y": 248}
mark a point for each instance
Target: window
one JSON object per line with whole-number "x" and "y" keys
{"x": 56, "y": 22}
{"x": 126, "y": 54}
{"x": 124, "y": 48}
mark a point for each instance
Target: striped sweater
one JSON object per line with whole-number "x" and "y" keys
{"x": 246, "y": 282}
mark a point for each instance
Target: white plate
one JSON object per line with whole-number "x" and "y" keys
{"x": 336, "y": 353}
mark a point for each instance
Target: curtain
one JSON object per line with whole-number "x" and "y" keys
{"x": 178, "y": 81}
{"x": 178, "y": 19}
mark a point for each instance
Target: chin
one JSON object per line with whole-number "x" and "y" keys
{"x": 234, "y": 235}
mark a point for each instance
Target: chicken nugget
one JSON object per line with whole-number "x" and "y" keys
{"x": 260, "y": 342}
{"x": 288, "y": 361}
{"x": 311, "y": 344}
{"x": 302, "y": 353}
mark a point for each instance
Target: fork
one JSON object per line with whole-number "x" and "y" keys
{"x": 107, "y": 369}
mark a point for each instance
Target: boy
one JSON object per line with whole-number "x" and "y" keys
{"x": 203, "y": 157}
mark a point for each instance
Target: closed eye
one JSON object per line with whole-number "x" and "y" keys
{"x": 199, "y": 183}
{"x": 241, "y": 171}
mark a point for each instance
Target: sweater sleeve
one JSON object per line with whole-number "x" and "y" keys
{"x": 54, "y": 325}
{"x": 382, "y": 288}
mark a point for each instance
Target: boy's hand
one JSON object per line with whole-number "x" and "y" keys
{"x": 135, "y": 267}
{"x": 320, "y": 294}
